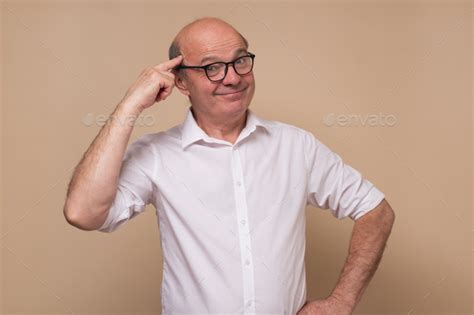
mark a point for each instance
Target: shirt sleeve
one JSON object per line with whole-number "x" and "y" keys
{"x": 335, "y": 185}
{"x": 135, "y": 186}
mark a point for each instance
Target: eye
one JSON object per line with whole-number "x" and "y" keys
{"x": 215, "y": 68}
{"x": 241, "y": 60}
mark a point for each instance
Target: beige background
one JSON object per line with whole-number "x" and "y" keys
{"x": 66, "y": 63}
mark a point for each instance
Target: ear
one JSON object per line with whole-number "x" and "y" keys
{"x": 180, "y": 83}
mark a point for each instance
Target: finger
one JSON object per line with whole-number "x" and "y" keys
{"x": 166, "y": 82}
{"x": 167, "y": 90}
{"x": 170, "y": 64}
{"x": 166, "y": 86}
{"x": 163, "y": 94}
{"x": 167, "y": 75}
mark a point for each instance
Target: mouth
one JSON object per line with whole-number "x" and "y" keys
{"x": 236, "y": 93}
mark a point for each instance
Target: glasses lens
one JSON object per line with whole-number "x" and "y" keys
{"x": 243, "y": 65}
{"x": 216, "y": 71}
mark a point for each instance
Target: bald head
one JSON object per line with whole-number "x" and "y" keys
{"x": 200, "y": 30}
{"x": 210, "y": 41}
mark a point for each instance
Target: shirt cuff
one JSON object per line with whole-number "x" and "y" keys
{"x": 370, "y": 202}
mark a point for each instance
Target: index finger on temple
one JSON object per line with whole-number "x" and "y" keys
{"x": 170, "y": 64}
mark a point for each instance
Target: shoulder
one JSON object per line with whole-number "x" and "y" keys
{"x": 290, "y": 132}
{"x": 298, "y": 138}
{"x": 152, "y": 143}
{"x": 158, "y": 138}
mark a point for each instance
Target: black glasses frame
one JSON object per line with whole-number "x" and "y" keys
{"x": 249, "y": 54}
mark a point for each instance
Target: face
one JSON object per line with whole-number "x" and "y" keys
{"x": 220, "y": 100}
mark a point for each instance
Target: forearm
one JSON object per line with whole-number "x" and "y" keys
{"x": 369, "y": 236}
{"x": 94, "y": 182}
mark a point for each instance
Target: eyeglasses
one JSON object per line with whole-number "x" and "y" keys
{"x": 217, "y": 71}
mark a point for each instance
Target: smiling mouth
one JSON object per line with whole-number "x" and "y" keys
{"x": 232, "y": 93}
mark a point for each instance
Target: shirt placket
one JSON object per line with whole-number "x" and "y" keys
{"x": 244, "y": 233}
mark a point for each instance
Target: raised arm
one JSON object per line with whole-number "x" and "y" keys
{"x": 93, "y": 185}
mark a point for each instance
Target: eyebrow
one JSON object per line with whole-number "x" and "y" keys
{"x": 215, "y": 58}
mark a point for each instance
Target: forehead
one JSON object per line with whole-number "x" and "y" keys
{"x": 206, "y": 43}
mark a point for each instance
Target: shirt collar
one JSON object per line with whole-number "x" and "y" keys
{"x": 191, "y": 132}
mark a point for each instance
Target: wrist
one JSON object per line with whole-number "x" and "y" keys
{"x": 128, "y": 109}
{"x": 124, "y": 114}
{"x": 349, "y": 304}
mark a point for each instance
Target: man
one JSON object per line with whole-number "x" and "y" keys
{"x": 230, "y": 188}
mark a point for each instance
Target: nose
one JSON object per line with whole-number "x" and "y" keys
{"x": 232, "y": 77}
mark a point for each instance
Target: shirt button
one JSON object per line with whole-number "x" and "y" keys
{"x": 243, "y": 222}
{"x": 239, "y": 183}
{"x": 247, "y": 262}
{"x": 249, "y": 303}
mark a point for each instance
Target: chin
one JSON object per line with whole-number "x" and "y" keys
{"x": 236, "y": 105}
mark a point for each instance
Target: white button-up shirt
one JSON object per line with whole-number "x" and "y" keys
{"x": 232, "y": 216}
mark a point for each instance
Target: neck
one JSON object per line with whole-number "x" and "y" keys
{"x": 227, "y": 128}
